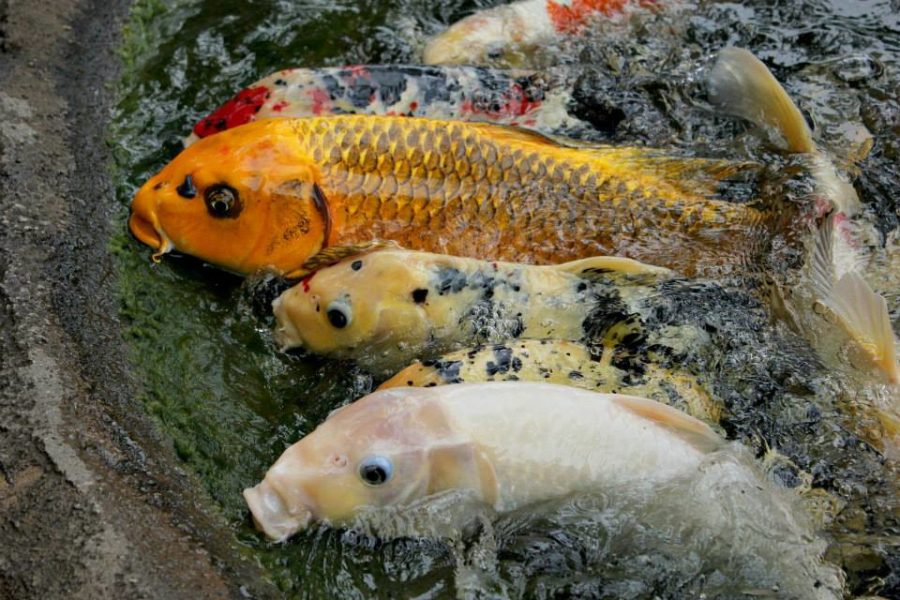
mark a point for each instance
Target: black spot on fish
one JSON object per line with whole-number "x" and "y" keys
{"x": 333, "y": 86}
{"x": 502, "y": 361}
{"x": 516, "y": 364}
{"x": 280, "y": 82}
{"x": 448, "y": 370}
{"x": 575, "y": 375}
{"x": 356, "y": 265}
{"x": 391, "y": 83}
{"x": 419, "y": 295}
{"x": 361, "y": 94}
{"x": 608, "y": 310}
{"x": 450, "y": 280}
{"x": 632, "y": 342}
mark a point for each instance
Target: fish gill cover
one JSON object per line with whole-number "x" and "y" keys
{"x": 231, "y": 404}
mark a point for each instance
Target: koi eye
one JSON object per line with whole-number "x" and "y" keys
{"x": 375, "y": 470}
{"x": 339, "y": 314}
{"x": 495, "y": 53}
{"x": 222, "y": 201}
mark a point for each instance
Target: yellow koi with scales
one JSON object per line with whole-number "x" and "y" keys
{"x": 288, "y": 195}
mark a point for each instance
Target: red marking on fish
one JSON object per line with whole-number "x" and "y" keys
{"x": 570, "y": 18}
{"x": 237, "y": 111}
{"x": 413, "y": 105}
{"x": 305, "y": 281}
{"x": 321, "y": 101}
{"x": 515, "y": 104}
{"x": 280, "y": 106}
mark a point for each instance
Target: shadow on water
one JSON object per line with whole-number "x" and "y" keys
{"x": 231, "y": 404}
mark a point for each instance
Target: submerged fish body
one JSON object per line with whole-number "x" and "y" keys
{"x": 506, "y": 97}
{"x": 397, "y": 446}
{"x": 388, "y": 307}
{"x": 563, "y": 363}
{"x": 272, "y": 194}
{"x": 508, "y": 34}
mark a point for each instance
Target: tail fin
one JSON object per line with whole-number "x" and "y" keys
{"x": 862, "y": 312}
{"x": 741, "y": 84}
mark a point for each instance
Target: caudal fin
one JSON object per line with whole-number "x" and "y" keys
{"x": 742, "y": 85}
{"x": 861, "y": 311}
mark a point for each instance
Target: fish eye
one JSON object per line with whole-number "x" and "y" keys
{"x": 495, "y": 52}
{"x": 339, "y": 314}
{"x": 222, "y": 201}
{"x": 376, "y": 470}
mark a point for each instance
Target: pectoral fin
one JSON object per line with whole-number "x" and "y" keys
{"x": 691, "y": 430}
{"x": 861, "y": 311}
{"x": 462, "y": 467}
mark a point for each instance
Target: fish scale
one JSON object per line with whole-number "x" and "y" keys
{"x": 413, "y": 172}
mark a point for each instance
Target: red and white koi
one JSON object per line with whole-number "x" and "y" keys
{"x": 506, "y": 35}
{"x": 508, "y": 97}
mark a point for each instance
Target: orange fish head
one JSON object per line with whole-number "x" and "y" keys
{"x": 245, "y": 200}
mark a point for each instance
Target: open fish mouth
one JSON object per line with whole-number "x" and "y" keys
{"x": 271, "y": 515}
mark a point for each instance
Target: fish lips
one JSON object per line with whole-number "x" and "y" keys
{"x": 144, "y": 226}
{"x": 272, "y": 516}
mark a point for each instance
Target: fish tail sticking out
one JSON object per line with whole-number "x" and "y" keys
{"x": 742, "y": 85}
{"x": 862, "y": 312}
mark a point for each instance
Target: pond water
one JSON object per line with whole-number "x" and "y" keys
{"x": 231, "y": 403}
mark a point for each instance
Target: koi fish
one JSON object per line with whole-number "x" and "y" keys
{"x": 523, "y": 98}
{"x": 396, "y": 446}
{"x": 563, "y": 363}
{"x": 388, "y": 307}
{"x": 508, "y": 34}
{"x": 274, "y": 194}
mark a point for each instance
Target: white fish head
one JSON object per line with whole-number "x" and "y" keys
{"x": 498, "y": 36}
{"x": 388, "y": 449}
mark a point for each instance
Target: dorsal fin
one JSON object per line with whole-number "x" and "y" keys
{"x": 600, "y": 265}
{"x": 693, "y": 431}
{"x": 334, "y": 254}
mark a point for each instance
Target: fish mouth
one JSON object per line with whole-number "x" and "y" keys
{"x": 145, "y": 232}
{"x": 144, "y": 227}
{"x": 271, "y": 515}
{"x": 286, "y": 334}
